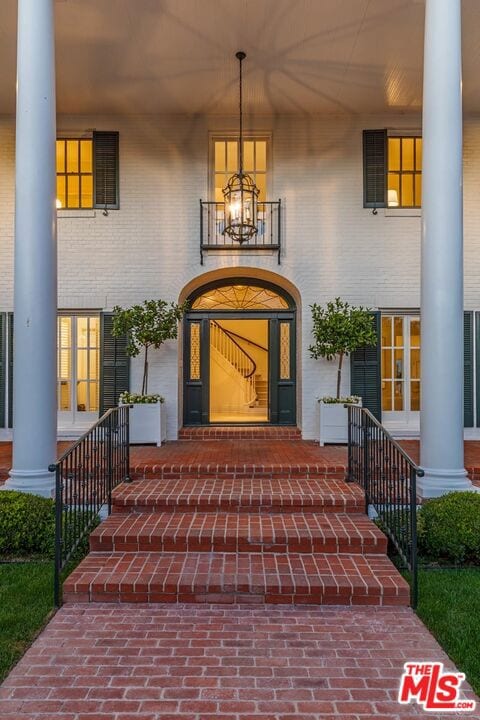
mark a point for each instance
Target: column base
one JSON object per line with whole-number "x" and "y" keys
{"x": 36, "y": 482}
{"x": 440, "y": 482}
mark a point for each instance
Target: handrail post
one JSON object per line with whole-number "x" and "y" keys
{"x": 58, "y": 533}
{"x": 366, "y": 463}
{"x": 413, "y": 544}
{"x": 128, "y": 479}
{"x": 109, "y": 462}
{"x": 349, "y": 477}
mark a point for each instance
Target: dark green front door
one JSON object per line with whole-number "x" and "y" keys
{"x": 282, "y": 365}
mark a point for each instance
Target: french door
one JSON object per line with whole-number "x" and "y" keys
{"x": 78, "y": 369}
{"x": 401, "y": 370}
{"x": 198, "y": 345}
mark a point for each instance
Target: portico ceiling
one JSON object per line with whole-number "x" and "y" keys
{"x": 177, "y": 56}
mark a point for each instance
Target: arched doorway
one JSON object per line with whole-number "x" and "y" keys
{"x": 239, "y": 354}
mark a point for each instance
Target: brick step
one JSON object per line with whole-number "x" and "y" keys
{"x": 239, "y": 532}
{"x": 246, "y": 495}
{"x": 250, "y": 432}
{"x": 240, "y": 578}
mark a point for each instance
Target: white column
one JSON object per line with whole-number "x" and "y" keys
{"x": 441, "y": 425}
{"x": 35, "y": 297}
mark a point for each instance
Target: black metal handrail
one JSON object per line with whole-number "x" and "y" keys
{"x": 213, "y": 236}
{"x": 388, "y": 477}
{"x": 85, "y": 476}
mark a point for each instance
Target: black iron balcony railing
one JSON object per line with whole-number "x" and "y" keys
{"x": 85, "y": 476}
{"x": 388, "y": 477}
{"x": 212, "y": 226}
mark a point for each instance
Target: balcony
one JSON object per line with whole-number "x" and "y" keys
{"x": 213, "y": 237}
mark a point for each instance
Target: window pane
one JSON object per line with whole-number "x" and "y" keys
{"x": 195, "y": 351}
{"x": 60, "y": 156}
{"x": 87, "y": 191}
{"x": 415, "y": 396}
{"x": 386, "y": 364}
{"x": 93, "y": 365}
{"x": 407, "y": 190}
{"x": 260, "y": 182}
{"x": 94, "y": 332}
{"x": 415, "y": 364}
{"x": 393, "y": 190}
{"x": 86, "y": 156}
{"x": 398, "y": 364}
{"x": 64, "y": 395}
{"x": 93, "y": 397}
{"x": 82, "y": 389}
{"x": 73, "y": 198}
{"x": 64, "y": 332}
{"x": 220, "y": 182}
{"x": 386, "y": 331}
{"x": 398, "y": 396}
{"x": 415, "y": 333}
{"x": 72, "y": 156}
{"x": 248, "y": 156}
{"x": 398, "y": 331}
{"x": 220, "y": 156}
{"x": 261, "y": 155}
{"x": 61, "y": 190}
{"x": 82, "y": 367}
{"x": 64, "y": 364}
{"x": 232, "y": 156}
{"x": 284, "y": 351}
{"x": 408, "y": 145}
{"x": 418, "y": 190}
{"x": 394, "y": 153}
{"x": 82, "y": 327}
{"x": 418, "y": 151}
{"x": 386, "y": 396}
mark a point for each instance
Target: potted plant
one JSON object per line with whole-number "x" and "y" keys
{"x": 146, "y": 326}
{"x": 338, "y": 330}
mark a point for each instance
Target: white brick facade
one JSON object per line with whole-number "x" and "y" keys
{"x": 332, "y": 246}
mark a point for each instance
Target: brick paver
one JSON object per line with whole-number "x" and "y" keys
{"x": 189, "y": 662}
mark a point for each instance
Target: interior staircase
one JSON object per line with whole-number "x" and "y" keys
{"x": 253, "y": 539}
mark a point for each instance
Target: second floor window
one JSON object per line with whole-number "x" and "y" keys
{"x": 392, "y": 169}
{"x": 226, "y": 163}
{"x": 404, "y": 172}
{"x": 74, "y": 173}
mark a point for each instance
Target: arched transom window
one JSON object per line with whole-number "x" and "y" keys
{"x": 240, "y": 297}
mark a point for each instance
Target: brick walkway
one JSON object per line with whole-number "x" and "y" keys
{"x": 190, "y": 662}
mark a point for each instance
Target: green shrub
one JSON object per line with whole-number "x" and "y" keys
{"x": 27, "y": 524}
{"x": 449, "y": 528}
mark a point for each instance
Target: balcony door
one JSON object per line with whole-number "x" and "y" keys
{"x": 78, "y": 369}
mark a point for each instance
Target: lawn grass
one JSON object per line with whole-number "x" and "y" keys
{"x": 449, "y": 605}
{"x": 26, "y": 600}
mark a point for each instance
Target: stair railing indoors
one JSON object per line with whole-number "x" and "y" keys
{"x": 388, "y": 477}
{"x": 85, "y": 476}
{"x": 237, "y": 357}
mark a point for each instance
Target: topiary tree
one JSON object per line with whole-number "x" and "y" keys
{"x": 147, "y": 325}
{"x": 338, "y": 330}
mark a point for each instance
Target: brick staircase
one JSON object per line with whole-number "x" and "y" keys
{"x": 241, "y": 540}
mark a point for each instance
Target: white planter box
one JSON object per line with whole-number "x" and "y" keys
{"x": 333, "y": 423}
{"x": 148, "y": 424}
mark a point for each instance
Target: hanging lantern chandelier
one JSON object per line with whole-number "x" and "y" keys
{"x": 241, "y": 194}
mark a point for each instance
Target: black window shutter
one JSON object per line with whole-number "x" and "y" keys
{"x": 114, "y": 365}
{"x": 105, "y": 172}
{"x": 468, "y": 369}
{"x": 365, "y": 378}
{"x": 3, "y": 369}
{"x": 10, "y": 368}
{"x": 374, "y": 168}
